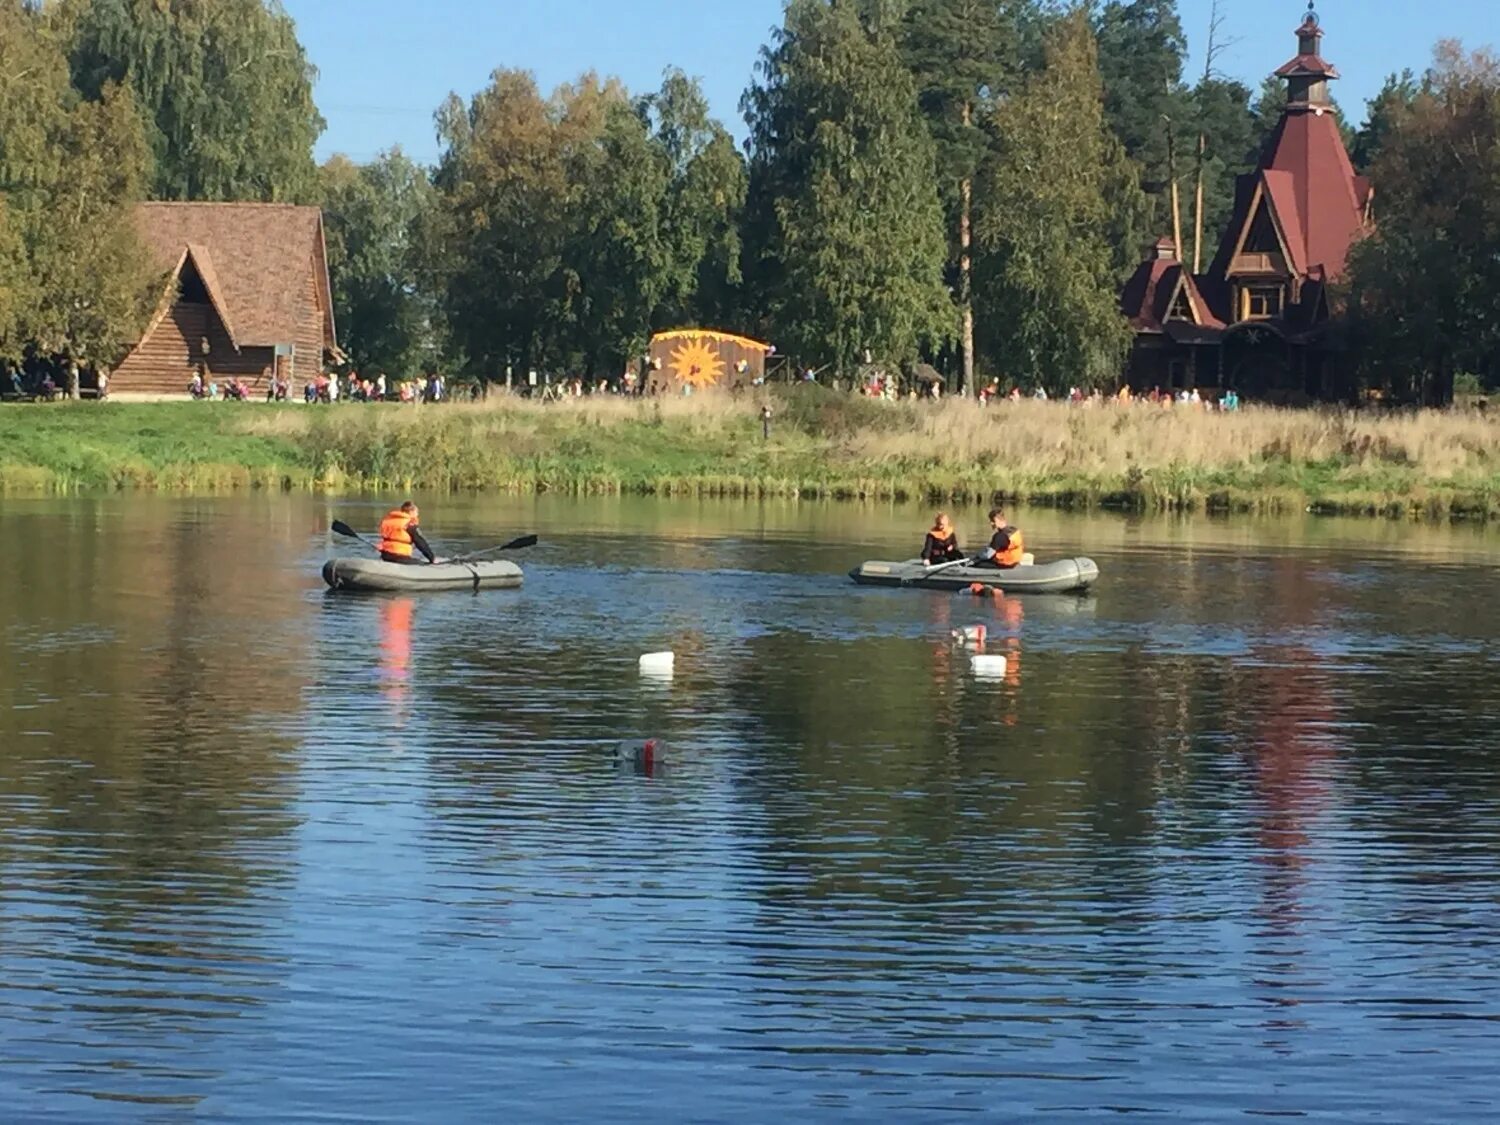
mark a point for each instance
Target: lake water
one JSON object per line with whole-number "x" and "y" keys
{"x": 1224, "y": 841}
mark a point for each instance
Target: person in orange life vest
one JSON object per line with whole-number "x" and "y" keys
{"x": 941, "y": 544}
{"x": 1006, "y": 545}
{"x": 399, "y": 535}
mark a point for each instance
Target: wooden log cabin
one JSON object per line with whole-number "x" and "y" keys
{"x": 247, "y": 295}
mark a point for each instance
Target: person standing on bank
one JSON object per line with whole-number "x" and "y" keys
{"x": 399, "y": 536}
{"x": 1006, "y": 544}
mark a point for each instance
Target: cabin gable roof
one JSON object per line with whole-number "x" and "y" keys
{"x": 256, "y": 261}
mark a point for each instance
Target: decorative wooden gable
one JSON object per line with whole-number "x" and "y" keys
{"x": 1182, "y": 306}
{"x": 1261, "y": 249}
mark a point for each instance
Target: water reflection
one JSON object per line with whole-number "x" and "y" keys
{"x": 395, "y": 657}
{"x": 1222, "y": 840}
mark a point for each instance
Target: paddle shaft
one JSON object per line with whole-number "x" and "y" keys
{"x": 514, "y": 545}
{"x": 935, "y": 570}
{"x": 342, "y": 528}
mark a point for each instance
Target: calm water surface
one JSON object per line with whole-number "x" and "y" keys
{"x": 1224, "y": 841}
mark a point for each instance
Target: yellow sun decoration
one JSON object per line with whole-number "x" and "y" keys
{"x": 695, "y": 362}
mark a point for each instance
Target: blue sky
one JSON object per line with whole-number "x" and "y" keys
{"x": 386, "y": 64}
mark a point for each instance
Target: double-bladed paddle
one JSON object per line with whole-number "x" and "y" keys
{"x": 342, "y": 528}
{"x": 930, "y": 571}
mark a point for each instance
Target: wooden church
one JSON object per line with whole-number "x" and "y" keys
{"x": 1259, "y": 320}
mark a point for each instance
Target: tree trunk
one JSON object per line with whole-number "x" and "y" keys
{"x": 72, "y": 372}
{"x": 966, "y": 278}
{"x": 1179, "y": 249}
{"x": 1198, "y": 208}
{"x": 966, "y": 267}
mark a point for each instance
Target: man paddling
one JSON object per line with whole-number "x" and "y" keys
{"x": 399, "y": 535}
{"x": 1006, "y": 545}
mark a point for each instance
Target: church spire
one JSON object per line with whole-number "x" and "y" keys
{"x": 1307, "y": 76}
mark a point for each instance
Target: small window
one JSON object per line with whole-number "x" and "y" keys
{"x": 1263, "y": 302}
{"x": 1262, "y": 237}
{"x": 1182, "y": 308}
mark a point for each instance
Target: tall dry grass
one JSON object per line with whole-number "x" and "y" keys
{"x": 821, "y": 444}
{"x": 1058, "y": 439}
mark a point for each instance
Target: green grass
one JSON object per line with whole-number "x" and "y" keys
{"x": 822, "y": 445}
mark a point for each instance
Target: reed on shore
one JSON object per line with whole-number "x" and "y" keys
{"x": 821, "y": 444}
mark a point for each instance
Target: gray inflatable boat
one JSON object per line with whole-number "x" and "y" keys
{"x": 377, "y": 574}
{"x": 1065, "y": 576}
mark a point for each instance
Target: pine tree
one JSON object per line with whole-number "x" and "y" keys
{"x": 1141, "y": 49}
{"x": 845, "y": 213}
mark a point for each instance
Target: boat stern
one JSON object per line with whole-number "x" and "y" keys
{"x": 876, "y": 574}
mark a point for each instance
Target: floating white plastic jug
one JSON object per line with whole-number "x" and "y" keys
{"x": 658, "y": 664}
{"x": 970, "y": 635}
{"x": 989, "y": 667}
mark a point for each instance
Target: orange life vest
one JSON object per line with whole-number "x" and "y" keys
{"x": 1011, "y": 556}
{"x": 395, "y": 539}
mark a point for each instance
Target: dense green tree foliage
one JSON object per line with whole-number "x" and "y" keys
{"x": 702, "y": 208}
{"x": 1425, "y": 298}
{"x": 1395, "y": 97}
{"x": 376, "y": 216}
{"x": 849, "y": 228}
{"x": 74, "y": 278}
{"x": 1056, "y": 226}
{"x": 965, "y": 55}
{"x": 224, "y": 88}
{"x": 958, "y": 181}
{"x": 1141, "y": 52}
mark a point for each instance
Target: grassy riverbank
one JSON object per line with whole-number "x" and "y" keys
{"x": 1433, "y": 464}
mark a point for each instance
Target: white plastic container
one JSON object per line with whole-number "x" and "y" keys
{"x": 988, "y": 667}
{"x": 970, "y": 635}
{"x": 658, "y": 664}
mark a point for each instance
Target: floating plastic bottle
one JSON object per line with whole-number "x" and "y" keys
{"x": 644, "y": 752}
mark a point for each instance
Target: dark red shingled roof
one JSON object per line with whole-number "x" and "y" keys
{"x": 1317, "y": 195}
{"x": 1147, "y": 297}
{"x": 1306, "y": 66}
{"x": 255, "y": 259}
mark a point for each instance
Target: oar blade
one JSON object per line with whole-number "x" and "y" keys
{"x": 517, "y": 544}
{"x": 342, "y": 528}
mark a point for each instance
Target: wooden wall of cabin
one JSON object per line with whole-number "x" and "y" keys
{"x": 731, "y": 352}
{"x": 307, "y": 363}
{"x": 163, "y": 362}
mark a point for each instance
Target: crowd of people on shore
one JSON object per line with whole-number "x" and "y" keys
{"x": 323, "y": 388}
{"x": 1193, "y": 398}
{"x": 888, "y": 389}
